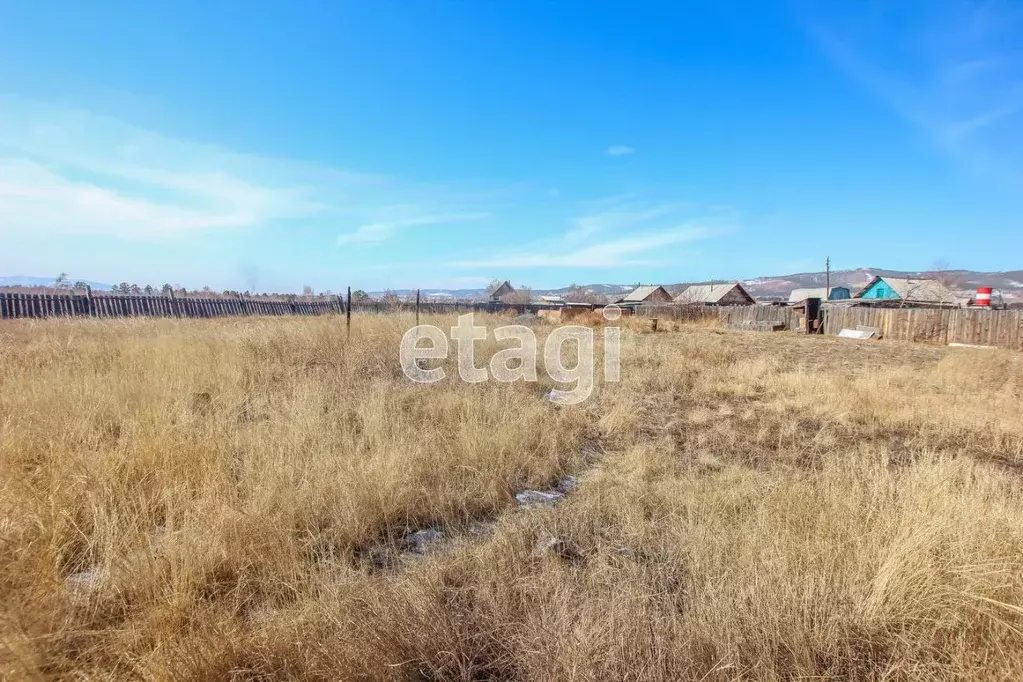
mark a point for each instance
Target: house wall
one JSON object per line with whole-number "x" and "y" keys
{"x": 659, "y": 296}
{"x": 880, "y": 290}
{"x": 735, "y": 297}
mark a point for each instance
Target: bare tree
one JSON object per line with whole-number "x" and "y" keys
{"x": 61, "y": 282}
{"x": 578, "y": 294}
{"x": 941, "y": 272}
{"x": 520, "y": 296}
{"x": 947, "y": 279}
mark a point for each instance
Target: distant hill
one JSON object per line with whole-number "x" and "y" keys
{"x": 27, "y": 281}
{"x": 478, "y": 294}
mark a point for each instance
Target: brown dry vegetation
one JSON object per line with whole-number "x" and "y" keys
{"x": 226, "y": 499}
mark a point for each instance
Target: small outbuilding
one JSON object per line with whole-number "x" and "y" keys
{"x": 726, "y": 293}
{"x": 837, "y": 294}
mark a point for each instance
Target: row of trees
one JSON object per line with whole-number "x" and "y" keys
{"x": 575, "y": 294}
{"x": 63, "y": 282}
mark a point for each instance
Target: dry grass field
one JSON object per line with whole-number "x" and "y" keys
{"x": 232, "y": 499}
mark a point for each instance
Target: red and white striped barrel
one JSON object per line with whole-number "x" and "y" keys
{"x": 984, "y": 296}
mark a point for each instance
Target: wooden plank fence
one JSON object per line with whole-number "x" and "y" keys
{"x": 38, "y": 306}
{"x": 108, "y": 305}
{"x": 999, "y": 328}
{"x": 732, "y": 317}
{"x": 680, "y": 313}
{"x": 758, "y": 316}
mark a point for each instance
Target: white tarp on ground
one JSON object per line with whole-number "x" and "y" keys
{"x": 857, "y": 334}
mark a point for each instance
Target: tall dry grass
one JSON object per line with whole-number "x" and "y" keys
{"x": 225, "y": 500}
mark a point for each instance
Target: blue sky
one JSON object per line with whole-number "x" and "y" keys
{"x": 443, "y": 144}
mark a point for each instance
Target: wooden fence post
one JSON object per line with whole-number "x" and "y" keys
{"x": 417, "y": 307}
{"x": 348, "y": 314}
{"x": 90, "y": 305}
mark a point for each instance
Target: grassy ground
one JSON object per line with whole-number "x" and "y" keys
{"x": 227, "y": 499}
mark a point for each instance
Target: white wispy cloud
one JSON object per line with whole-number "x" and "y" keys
{"x": 32, "y": 197}
{"x": 623, "y": 230}
{"x": 374, "y": 233}
{"x": 67, "y": 171}
{"x": 956, "y": 73}
{"x": 620, "y": 150}
{"x": 606, "y": 254}
{"x": 627, "y": 214}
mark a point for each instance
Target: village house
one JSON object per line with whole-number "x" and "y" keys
{"x": 928, "y": 292}
{"x": 645, "y": 294}
{"x": 495, "y": 291}
{"x": 837, "y": 294}
{"x": 726, "y": 293}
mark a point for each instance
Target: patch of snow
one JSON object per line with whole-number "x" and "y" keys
{"x": 82, "y": 584}
{"x": 419, "y": 542}
{"x": 537, "y": 499}
{"x": 567, "y": 485}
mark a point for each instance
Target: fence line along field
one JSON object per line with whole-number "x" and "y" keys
{"x": 998, "y": 328}
{"x": 89, "y": 304}
{"x": 262, "y": 498}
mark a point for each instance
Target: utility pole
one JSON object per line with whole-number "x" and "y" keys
{"x": 827, "y": 279}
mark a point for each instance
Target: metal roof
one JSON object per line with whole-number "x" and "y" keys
{"x": 798, "y": 295}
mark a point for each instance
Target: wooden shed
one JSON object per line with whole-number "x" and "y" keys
{"x": 836, "y": 294}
